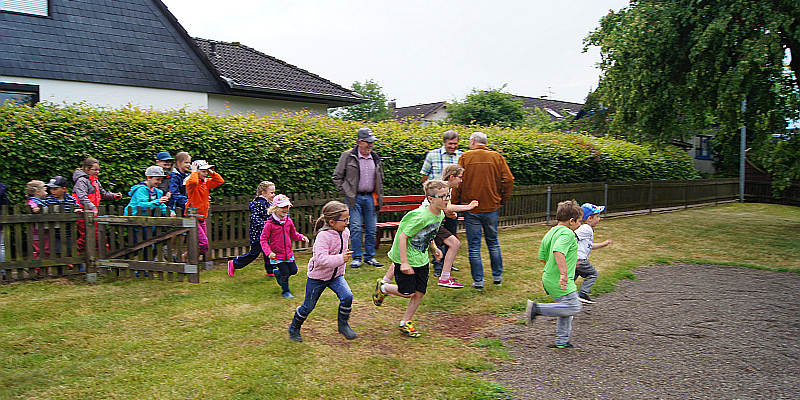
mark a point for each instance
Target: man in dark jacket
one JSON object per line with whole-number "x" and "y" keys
{"x": 359, "y": 178}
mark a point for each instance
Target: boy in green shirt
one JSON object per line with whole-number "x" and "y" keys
{"x": 559, "y": 251}
{"x": 409, "y": 253}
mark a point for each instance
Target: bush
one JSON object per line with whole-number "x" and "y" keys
{"x": 296, "y": 151}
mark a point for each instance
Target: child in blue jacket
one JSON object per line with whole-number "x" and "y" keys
{"x": 258, "y": 216}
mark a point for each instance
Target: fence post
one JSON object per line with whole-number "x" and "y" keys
{"x": 716, "y": 195}
{"x": 549, "y": 189}
{"x": 686, "y": 196}
{"x": 605, "y": 199}
{"x": 651, "y": 197}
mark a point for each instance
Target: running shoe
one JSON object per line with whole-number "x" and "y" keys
{"x": 451, "y": 283}
{"x": 408, "y": 330}
{"x": 374, "y": 263}
{"x": 377, "y": 295}
{"x": 585, "y": 299}
{"x": 231, "y": 268}
{"x": 531, "y": 311}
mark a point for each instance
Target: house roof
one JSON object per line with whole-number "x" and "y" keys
{"x": 124, "y": 42}
{"x": 419, "y": 111}
{"x": 555, "y": 105}
{"x": 249, "y": 70}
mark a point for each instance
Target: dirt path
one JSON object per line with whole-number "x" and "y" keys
{"x": 678, "y": 332}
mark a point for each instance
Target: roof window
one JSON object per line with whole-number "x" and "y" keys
{"x": 32, "y": 7}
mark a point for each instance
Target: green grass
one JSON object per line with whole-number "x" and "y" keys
{"x": 225, "y": 338}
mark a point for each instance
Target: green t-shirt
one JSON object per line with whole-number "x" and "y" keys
{"x": 421, "y": 226}
{"x": 561, "y": 239}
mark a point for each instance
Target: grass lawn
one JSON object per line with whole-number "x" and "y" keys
{"x": 225, "y": 338}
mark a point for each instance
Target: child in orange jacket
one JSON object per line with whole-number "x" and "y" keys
{"x": 198, "y": 183}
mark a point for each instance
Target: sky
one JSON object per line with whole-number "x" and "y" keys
{"x": 418, "y": 51}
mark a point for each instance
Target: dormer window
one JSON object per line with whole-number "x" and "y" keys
{"x": 32, "y": 7}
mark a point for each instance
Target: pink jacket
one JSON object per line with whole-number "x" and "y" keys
{"x": 327, "y": 262}
{"x": 277, "y": 238}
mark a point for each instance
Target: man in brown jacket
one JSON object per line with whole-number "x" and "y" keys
{"x": 487, "y": 179}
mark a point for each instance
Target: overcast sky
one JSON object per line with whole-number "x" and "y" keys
{"x": 418, "y": 51}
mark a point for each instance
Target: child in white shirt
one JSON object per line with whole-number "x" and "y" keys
{"x": 585, "y": 236}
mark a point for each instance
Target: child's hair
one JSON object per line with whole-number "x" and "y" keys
{"x": 182, "y": 156}
{"x": 451, "y": 170}
{"x": 432, "y": 185}
{"x": 32, "y": 186}
{"x": 569, "y": 210}
{"x": 89, "y": 161}
{"x": 263, "y": 186}
{"x": 331, "y": 210}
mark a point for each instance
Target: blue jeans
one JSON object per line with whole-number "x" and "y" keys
{"x": 314, "y": 289}
{"x": 486, "y": 224}
{"x": 452, "y": 226}
{"x": 243, "y": 260}
{"x": 363, "y": 212}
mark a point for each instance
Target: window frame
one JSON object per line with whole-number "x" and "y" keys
{"x": 21, "y": 88}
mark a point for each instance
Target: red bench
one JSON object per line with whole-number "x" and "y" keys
{"x": 394, "y": 204}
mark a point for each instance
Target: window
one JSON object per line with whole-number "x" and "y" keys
{"x": 553, "y": 113}
{"x": 702, "y": 151}
{"x": 33, "y": 7}
{"x": 19, "y": 93}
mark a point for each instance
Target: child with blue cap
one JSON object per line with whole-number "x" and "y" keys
{"x": 585, "y": 236}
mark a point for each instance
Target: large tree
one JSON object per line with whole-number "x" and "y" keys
{"x": 375, "y": 109}
{"x": 672, "y": 68}
{"x": 487, "y": 107}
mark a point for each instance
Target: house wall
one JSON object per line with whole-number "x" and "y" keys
{"x": 113, "y": 96}
{"x": 222, "y": 105}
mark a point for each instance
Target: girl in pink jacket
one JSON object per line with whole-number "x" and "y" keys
{"x": 326, "y": 269}
{"x": 276, "y": 242}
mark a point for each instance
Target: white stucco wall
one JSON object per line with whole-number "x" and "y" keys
{"x": 222, "y": 105}
{"x": 113, "y": 96}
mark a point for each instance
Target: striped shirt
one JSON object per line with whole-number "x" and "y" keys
{"x": 436, "y": 160}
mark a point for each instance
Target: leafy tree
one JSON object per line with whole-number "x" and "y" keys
{"x": 487, "y": 107}
{"x": 674, "y": 68}
{"x": 375, "y": 109}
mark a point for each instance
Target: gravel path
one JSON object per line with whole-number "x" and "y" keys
{"x": 677, "y": 332}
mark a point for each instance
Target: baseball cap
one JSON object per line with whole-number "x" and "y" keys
{"x": 281, "y": 200}
{"x": 164, "y": 156}
{"x": 154, "y": 171}
{"x": 57, "y": 181}
{"x": 590, "y": 209}
{"x": 366, "y": 135}
{"x": 203, "y": 164}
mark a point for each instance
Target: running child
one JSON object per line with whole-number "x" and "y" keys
{"x": 326, "y": 269}
{"x": 585, "y": 235}
{"x": 276, "y": 242}
{"x": 198, "y": 184}
{"x": 177, "y": 182}
{"x": 258, "y": 216}
{"x": 409, "y": 253}
{"x": 559, "y": 251}
{"x": 36, "y": 194}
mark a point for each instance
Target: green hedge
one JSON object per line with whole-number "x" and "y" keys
{"x": 295, "y": 151}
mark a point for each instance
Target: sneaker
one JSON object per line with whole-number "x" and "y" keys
{"x": 287, "y": 295}
{"x": 270, "y": 273}
{"x": 567, "y": 345}
{"x": 231, "y": 268}
{"x": 499, "y": 282}
{"x": 585, "y": 299}
{"x": 477, "y": 285}
{"x": 355, "y": 264}
{"x": 408, "y": 330}
{"x": 531, "y": 311}
{"x": 437, "y": 273}
{"x": 454, "y": 269}
{"x": 374, "y": 263}
{"x": 377, "y": 295}
{"x": 451, "y": 283}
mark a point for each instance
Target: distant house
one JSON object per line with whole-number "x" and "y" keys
{"x": 134, "y": 52}
{"x": 426, "y": 114}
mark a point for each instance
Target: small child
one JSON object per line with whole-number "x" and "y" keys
{"x": 326, "y": 268}
{"x": 62, "y": 202}
{"x": 276, "y": 242}
{"x": 177, "y": 185}
{"x": 88, "y": 191}
{"x": 559, "y": 251}
{"x": 585, "y": 235}
{"x": 198, "y": 184}
{"x": 164, "y": 160}
{"x": 36, "y": 194}
{"x": 148, "y": 196}
{"x": 409, "y": 253}
{"x": 258, "y": 216}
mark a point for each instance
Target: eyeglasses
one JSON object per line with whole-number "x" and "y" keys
{"x": 343, "y": 220}
{"x": 443, "y": 197}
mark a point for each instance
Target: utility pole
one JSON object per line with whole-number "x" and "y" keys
{"x": 742, "y": 150}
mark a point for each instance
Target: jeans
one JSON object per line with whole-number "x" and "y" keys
{"x": 363, "y": 212}
{"x": 452, "y": 226}
{"x": 486, "y": 222}
{"x": 564, "y": 308}
{"x": 243, "y": 260}
{"x": 586, "y": 270}
{"x": 314, "y": 289}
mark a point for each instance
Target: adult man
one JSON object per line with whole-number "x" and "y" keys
{"x": 437, "y": 159}
{"x": 432, "y": 168}
{"x": 359, "y": 177}
{"x": 487, "y": 179}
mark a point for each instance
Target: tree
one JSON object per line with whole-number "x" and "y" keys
{"x": 375, "y": 109}
{"x": 487, "y": 107}
{"x": 674, "y": 68}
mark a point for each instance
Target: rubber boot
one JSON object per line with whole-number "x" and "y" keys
{"x": 284, "y": 282}
{"x": 294, "y": 328}
{"x": 344, "y": 327}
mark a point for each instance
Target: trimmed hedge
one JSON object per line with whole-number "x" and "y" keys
{"x": 296, "y": 151}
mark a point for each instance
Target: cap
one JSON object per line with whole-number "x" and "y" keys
{"x": 164, "y": 156}
{"x": 57, "y": 181}
{"x": 154, "y": 171}
{"x": 366, "y": 135}
{"x": 202, "y": 164}
{"x": 281, "y": 200}
{"x": 590, "y": 209}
